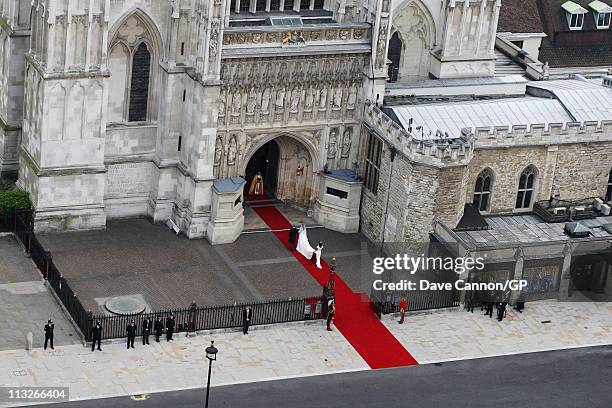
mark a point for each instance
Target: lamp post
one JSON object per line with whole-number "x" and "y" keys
{"x": 211, "y": 355}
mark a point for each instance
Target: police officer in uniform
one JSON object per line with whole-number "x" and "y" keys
{"x": 146, "y": 330}
{"x": 159, "y": 328}
{"x": 170, "y": 322}
{"x": 131, "y": 334}
{"x": 96, "y": 332}
{"x": 49, "y": 333}
{"x": 247, "y": 314}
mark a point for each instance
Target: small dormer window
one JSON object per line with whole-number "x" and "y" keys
{"x": 575, "y": 15}
{"x": 602, "y": 14}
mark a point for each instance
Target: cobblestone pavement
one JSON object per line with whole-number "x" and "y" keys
{"x": 25, "y": 301}
{"x": 544, "y": 325}
{"x": 136, "y": 257}
{"x": 270, "y": 353}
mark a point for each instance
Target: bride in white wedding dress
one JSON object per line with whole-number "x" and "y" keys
{"x": 303, "y": 246}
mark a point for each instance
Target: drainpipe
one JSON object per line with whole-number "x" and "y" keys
{"x": 393, "y": 151}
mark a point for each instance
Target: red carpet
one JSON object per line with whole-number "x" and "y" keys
{"x": 354, "y": 318}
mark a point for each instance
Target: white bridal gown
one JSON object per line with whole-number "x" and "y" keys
{"x": 303, "y": 246}
{"x": 318, "y": 255}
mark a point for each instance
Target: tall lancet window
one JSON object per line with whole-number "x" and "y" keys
{"x": 139, "y": 88}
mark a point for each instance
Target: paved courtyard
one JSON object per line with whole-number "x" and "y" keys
{"x": 26, "y": 303}
{"x": 137, "y": 258}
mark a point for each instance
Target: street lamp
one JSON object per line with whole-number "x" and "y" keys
{"x": 211, "y": 355}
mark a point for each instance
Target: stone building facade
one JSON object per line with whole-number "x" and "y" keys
{"x": 136, "y": 107}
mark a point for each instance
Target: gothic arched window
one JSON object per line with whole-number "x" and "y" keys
{"x": 609, "y": 190}
{"x": 394, "y": 54}
{"x": 526, "y": 188}
{"x": 139, "y": 88}
{"x": 482, "y": 190}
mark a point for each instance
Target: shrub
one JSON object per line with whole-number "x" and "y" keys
{"x": 13, "y": 199}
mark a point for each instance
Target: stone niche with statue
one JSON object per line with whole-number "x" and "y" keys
{"x": 227, "y": 214}
{"x": 337, "y": 206}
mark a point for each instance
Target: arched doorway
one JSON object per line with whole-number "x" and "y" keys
{"x": 265, "y": 160}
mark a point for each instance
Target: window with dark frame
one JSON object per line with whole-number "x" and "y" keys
{"x": 482, "y": 190}
{"x": 372, "y": 167}
{"x": 525, "y": 188}
{"x": 139, "y": 87}
{"x": 245, "y": 5}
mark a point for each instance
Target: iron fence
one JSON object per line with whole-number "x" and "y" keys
{"x": 20, "y": 222}
{"x": 213, "y": 317}
{"x": 385, "y": 302}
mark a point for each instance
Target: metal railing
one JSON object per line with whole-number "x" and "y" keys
{"x": 214, "y": 317}
{"x": 20, "y": 222}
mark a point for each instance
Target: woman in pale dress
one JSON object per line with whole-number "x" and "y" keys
{"x": 318, "y": 254}
{"x": 303, "y": 246}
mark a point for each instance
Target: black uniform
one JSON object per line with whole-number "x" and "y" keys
{"x": 501, "y": 310}
{"x": 96, "y": 333}
{"x": 170, "y": 322}
{"x": 159, "y": 329}
{"x": 146, "y": 330}
{"x": 49, "y": 333}
{"x": 247, "y": 314}
{"x": 293, "y": 233}
{"x": 131, "y": 334}
{"x": 471, "y": 300}
{"x": 489, "y": 309}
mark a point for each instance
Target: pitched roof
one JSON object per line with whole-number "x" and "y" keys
{"x": 592, "y": 55}
{"x": 554, "y": 16}
{"x": 519, "y": 16}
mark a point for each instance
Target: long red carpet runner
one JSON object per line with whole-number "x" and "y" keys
{"x": 354, "y": 318}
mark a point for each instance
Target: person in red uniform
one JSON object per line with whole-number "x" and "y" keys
{"x": 403, "y": 305}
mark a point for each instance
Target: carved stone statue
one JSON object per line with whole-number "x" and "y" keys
{"x": 337, "y": 103}
{"x": 231, "y": 151}
{"x": 280, "y": 100}
{"x": 265, "y": 100}
{"x": 251, "y": 101}
{"x": 332, "y": 144}
{"x": 323, "y": 98}
{"x": 218, "y": 150}
{"x": 295, "y": 99}
{"x": 222, "y": 97}
{"x": 346, "y": 142}
{"x": 309, "y": 99}
{"x": 352, "y": 96}
{"x": 236, "y": 104}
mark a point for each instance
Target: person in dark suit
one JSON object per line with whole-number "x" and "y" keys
{"x": 471, "y": 300}
{"x": 247, "y": 314}
{"x": 489, "y": 308}
{"x": 159, "y": 328}
{"x": 131, "y": 333}
{"x": 96, "y": 333}
{"x": 49, "y": 327}
{"x": 293, "y": 234}
{"x": 146, "y": 330}
{"x": 170, "y": 323}
{"x": 501, "y": 311}
{"x": 330, "y": 314}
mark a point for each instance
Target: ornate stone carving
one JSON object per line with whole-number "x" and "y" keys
{"x": 332, "y": 144}
{"x": 309, "y": 99}
{"x": 295, "y": 99}
{"x": 337, "y": 102}
{"x": 323, "y": 98}
{"x": 265, "y": 100}
{"x": 381, "y": 45}
{"x": 346, "y": 142}
{"x": 352, "y": 96}
{"x": 232, "y": 151}
{"x": 280, "y": 100}
{"x": 236, "y": 104}
{"x": 251, "y": 101}
{"x": 222, "y": 98}
{"x": 218, "y": 150}
{"x": 358, "y": 33}
{"x": 214, "y": 39}
{"x": 344, "y": 34}
{"x": 131, "y": 30}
